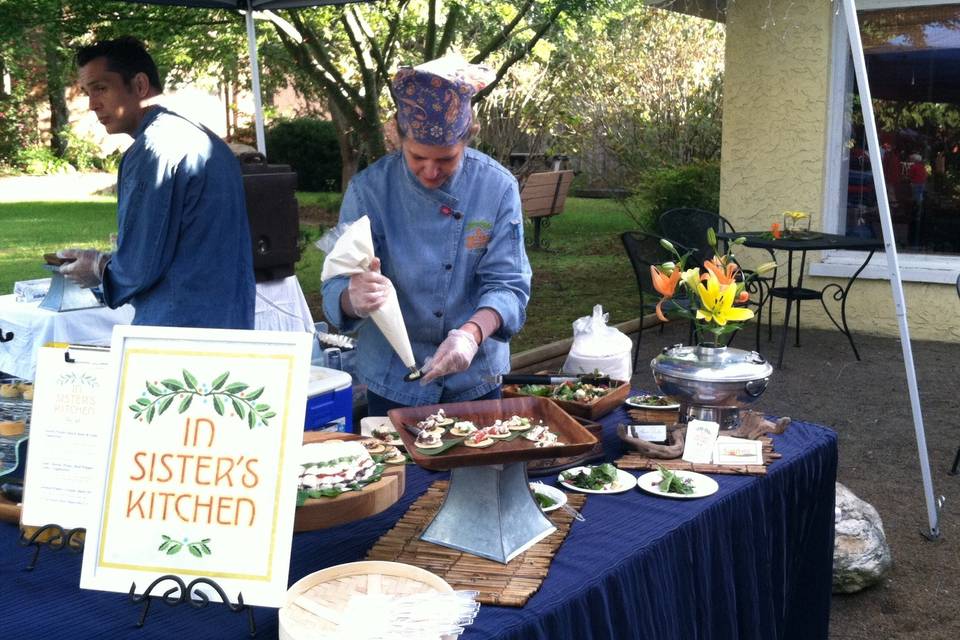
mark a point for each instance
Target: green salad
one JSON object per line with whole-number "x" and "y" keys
{"x": 598, "y": 478}
{"x": 569, "y": 391}
{"x": 544, "y": 501}
{"x": 672, "y": 483}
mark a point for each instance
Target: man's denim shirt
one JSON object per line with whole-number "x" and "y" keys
{"x": 448, "y": 251}
{"x": 183, "y": 256}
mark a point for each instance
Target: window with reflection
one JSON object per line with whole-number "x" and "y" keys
{"x": 913, "y": 63}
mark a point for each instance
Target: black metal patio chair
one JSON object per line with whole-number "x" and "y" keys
{"x": 644, "y": 250}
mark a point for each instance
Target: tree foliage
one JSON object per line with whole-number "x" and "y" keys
{"x": 643, "y": 90}
{"x": 350, "y": 53}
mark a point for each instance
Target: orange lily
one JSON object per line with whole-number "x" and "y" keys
{"x": 775, "y": 231}
{"x": 725, "y": 274}
{"x": 665, "y": 286}
{"x": 742, "y": 297}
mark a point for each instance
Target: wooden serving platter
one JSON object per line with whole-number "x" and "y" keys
{"x": 321, "y": 513}
{"x": 575, "y": 438}
{"x": 592, "y": 410}
{"x": 553, "y": 466}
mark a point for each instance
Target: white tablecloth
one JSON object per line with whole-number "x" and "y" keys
{"x": 32, "y": 327}
{"x": 280, "y": 307}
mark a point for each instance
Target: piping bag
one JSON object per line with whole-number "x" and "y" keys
{"x": 353, "y": 253}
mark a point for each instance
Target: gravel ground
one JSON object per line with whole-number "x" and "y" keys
{"x": 868, "y": 405}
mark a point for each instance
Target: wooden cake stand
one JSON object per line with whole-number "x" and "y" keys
{"x": 489, "y": 510}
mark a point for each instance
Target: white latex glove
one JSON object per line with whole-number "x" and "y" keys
{"x": 453, "y": 355}
{"x": 86, "y": 266}
{"x": 367, "y": 291}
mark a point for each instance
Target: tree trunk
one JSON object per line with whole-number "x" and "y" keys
{"x": 57, "y": 64}
{"x": 349, "y": 158}
{"x": 3, "y": 85}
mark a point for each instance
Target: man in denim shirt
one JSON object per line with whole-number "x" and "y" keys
{"x": 448, "y": 232}
{"x": 183, "y": 255}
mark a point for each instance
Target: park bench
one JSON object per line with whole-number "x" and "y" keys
{"x": 542, "y": 196}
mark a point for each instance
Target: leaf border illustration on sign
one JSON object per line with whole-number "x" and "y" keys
{"x": 197, "y": 548}
{"x": 243, "y": 405}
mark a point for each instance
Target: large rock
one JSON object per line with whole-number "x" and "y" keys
{"x": 861, "y": 556}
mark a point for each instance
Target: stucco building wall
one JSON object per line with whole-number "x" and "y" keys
{"x": 776, "y": 96}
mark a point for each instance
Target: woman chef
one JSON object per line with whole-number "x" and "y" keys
{"x": 448, "y": 231}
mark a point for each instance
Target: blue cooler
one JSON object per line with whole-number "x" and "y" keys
{"x": 329, "y": 401}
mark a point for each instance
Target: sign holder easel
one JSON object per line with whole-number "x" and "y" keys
{"x": 180, "y": 592}
{"x": 54, "y": 537}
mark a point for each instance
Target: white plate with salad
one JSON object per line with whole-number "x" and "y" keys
{"x": 601, "y": 478}
{"x": 548, "y": 498}
{"x": 651, "y": 401}
{"x": 677, "y": 484}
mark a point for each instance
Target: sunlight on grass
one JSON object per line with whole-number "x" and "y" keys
{"x": 31, "y": 229}
{"x": 584, "y": 265}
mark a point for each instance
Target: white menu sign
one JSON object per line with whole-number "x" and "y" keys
{"x": 701, "y": 436}
{"x": 69, "y": 424}
{"x": 200, "y": 475}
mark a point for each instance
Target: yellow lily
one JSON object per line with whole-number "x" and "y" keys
{"x": 716, "y": 303}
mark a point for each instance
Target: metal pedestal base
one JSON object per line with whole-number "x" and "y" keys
{"x": 64, "y": 295}
{"x": 489, "y": 512}
{"x": 727, "y": 417}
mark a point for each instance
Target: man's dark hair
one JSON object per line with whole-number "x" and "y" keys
{"x": 126, "y": 55}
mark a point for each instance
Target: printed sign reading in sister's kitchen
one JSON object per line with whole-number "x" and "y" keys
{"x": 199, "y": 479}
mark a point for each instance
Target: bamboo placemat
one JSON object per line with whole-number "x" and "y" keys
{"x": 509, "y": 585}
{"x": 637, "y": 460}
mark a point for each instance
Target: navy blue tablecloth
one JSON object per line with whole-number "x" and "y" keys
{"x": 753, "y": 560}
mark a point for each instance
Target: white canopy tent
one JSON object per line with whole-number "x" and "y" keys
{"x": 893, "y": 262}
{"x": 248, "y": 7}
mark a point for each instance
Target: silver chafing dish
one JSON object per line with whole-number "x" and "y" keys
{"x": 711, "y": 383}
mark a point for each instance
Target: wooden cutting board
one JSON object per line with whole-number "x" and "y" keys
{"x": 321, "y": 513}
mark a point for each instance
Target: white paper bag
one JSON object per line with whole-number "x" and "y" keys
{"x": 352, "y": 254}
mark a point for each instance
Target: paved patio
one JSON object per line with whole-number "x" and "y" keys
{"x": 68, "y": 186}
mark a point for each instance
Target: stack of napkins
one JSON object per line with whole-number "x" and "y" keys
{"x": 31, "y": 290}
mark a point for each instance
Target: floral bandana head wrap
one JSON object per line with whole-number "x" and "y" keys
{"x": 433, "y": 99}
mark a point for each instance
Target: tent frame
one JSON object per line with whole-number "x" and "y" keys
{"x": 893, "y": 261}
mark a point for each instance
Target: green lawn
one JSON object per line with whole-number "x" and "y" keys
{"x": 585, "y": 264}
{"x": 31, "y": 229}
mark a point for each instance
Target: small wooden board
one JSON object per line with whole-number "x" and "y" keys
{"x": 321, "y": 513}
{"x": 9, "y": 510}
{"x": 506, "y": 585}
{"x": 668, "y": 417}
{"x": 637, "y": 460}
{"x": 575, "y": 438}
{"x": 593, "y": 410}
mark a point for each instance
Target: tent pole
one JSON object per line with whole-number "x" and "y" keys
{"x": 255, "y": 68}
{"x": 893, "y": 263}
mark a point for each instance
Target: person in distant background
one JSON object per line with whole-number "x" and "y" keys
{"x": 448, "y": 232}
{"x": 917, "y": 172}
{"x": 918, "y": 178}
{"x": 183, "y": 255}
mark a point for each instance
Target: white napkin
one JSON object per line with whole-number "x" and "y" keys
{"x": 352, "y": 254}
